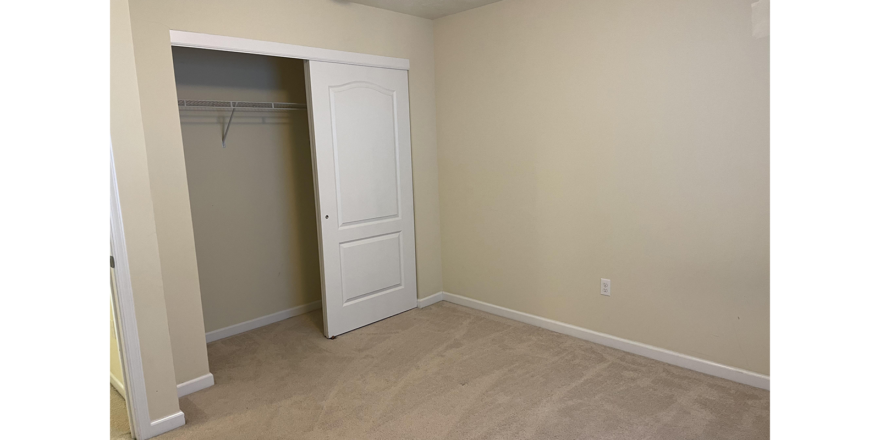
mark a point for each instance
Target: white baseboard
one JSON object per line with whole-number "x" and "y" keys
{"x": 194, "y": 385}
{"x": 433, "y": 299}
{"x": 261, "y": 321}
{"x": 648, "y": 351}
{"x": 116, "y": 383}
{"x": 165, "y": 424}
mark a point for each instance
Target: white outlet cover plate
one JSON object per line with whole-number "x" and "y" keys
{"x": 605, "y": 288}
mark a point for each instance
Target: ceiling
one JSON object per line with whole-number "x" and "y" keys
{"x": 430, "y": 9}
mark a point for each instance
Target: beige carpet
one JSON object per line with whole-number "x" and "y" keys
{"x": 449, "y": 372}
{"x": 119, "y": 429}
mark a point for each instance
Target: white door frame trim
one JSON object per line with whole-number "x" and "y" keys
{"x": 269, "y": 48}
{"x": 142, "y": 427}
{"x": 129, "y": 343}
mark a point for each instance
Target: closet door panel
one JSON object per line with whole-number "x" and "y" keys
{"x": 362, "y": 160}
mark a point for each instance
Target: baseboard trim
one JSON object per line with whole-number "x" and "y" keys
{"x": 194, "y": 385}
{"x": 648, "y": 351}
{"x": 261, "y": 321}
{"x": 116, "y": 383}
{"x": 433, "y": 299}
{"x": 165, "y": 424}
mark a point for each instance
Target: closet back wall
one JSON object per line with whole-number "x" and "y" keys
{"x": 253, "y": 205}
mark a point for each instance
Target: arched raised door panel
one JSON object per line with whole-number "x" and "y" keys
{"x": 362, "y": 158}
{"x": 365, "y": 152}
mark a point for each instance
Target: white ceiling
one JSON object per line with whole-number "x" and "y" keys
{"x": 426, "y": 8}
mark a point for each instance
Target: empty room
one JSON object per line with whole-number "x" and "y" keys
{"x": 454, "y": 219}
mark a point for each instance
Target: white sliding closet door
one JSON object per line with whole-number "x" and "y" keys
{"x": 363, "y": 172}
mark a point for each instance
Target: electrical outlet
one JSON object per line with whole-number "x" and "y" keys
{"x": 606, "y": 287}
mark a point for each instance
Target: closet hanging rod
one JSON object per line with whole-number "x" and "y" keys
{"x": 186, "y": 104}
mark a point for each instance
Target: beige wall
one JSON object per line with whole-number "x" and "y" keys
{"x": 133, "y": 180}
{"x": 318, "y": 23}
{"x": 253, "y": 202}
{"x": 621, "y": 139}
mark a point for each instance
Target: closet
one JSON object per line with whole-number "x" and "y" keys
{"x": 300, "y": 185}
{"x": 252, "y": 200}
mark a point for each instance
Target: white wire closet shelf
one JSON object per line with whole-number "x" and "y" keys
{"x": 197, "y": 104}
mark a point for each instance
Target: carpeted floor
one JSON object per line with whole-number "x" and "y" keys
{"x": 119, "y": 429}
{"x": 449, "y": 372}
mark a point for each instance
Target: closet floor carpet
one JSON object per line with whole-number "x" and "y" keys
{"x": 450, "y": 372}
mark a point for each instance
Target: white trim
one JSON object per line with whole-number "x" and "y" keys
{"x": 194, "y": 385}
{"x": 433, "y": 299}
{"x": 126, "y": 321}
{"x": 116, "y": 383}
{"x": 165, "y": 424}
{"x": 259, "y": 47}
{"x": 129, "y": 343}
{"x": 261, "y": 321}
{"x": 648, "y": 351}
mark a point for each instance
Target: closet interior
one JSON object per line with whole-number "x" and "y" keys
{"x": 246, "y": 141}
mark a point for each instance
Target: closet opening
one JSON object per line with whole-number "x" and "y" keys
{"x": 245, "y": 128}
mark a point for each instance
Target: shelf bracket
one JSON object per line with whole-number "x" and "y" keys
{"x": 228, "y": 123}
